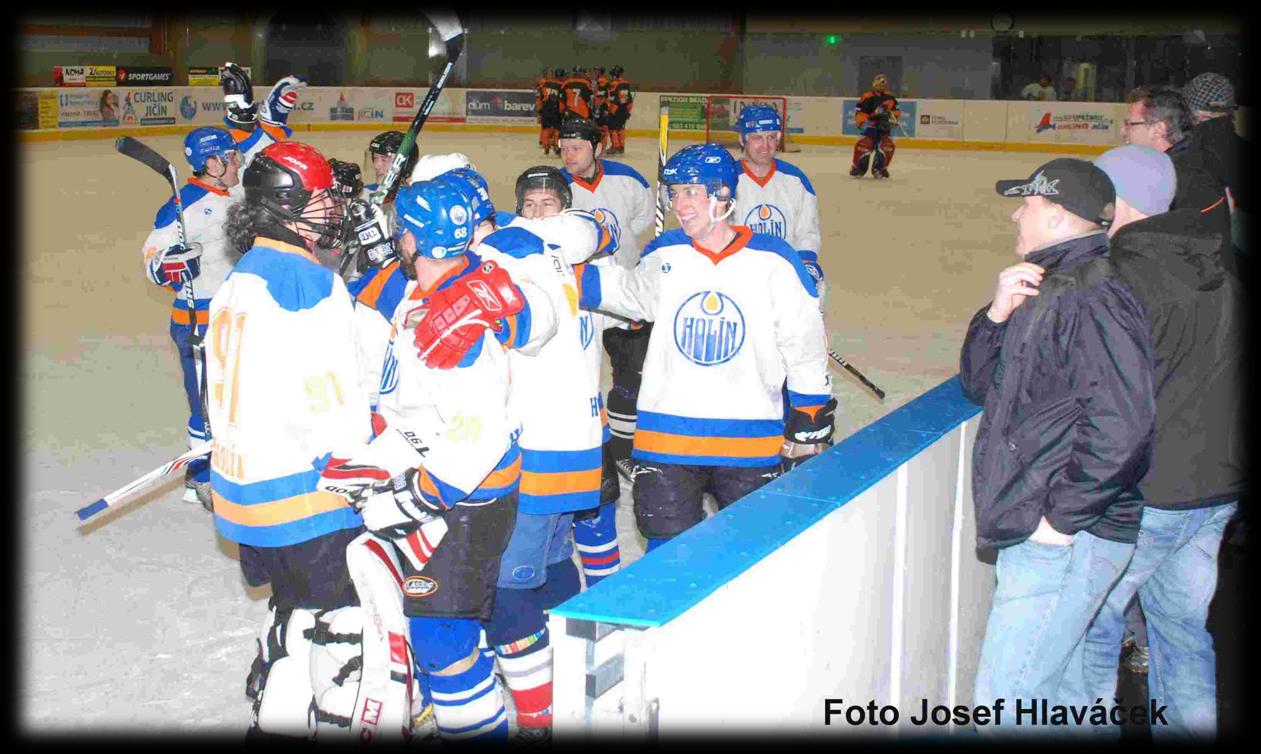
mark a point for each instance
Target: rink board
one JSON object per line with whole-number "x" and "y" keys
{"x": 854, "y": 577}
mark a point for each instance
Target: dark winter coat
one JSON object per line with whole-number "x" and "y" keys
{"x": 1225, "y": 155}
{"x": 1174, "y": 268}
{"x": 1066, "y": 383}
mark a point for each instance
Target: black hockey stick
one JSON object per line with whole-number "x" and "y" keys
{"x": 861, "y": 378}
{"x": 448, "y": 26}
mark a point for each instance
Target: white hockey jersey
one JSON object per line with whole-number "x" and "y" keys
{"x": 555, "y": 396}
{"x": 205, "y": 212}
{"x": 783, "y": 205}
{"x": 620, "y": 196}
{"x": 731, "y": 326}
{"x": 284, "y": 393}
{"x": 460, "y": 414}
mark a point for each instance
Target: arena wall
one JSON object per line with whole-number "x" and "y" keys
{"x": 859, "y": 571}
{"x": 77, "y": 112}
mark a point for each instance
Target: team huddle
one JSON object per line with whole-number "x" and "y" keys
{"x": 604, "y": 98}
{"x": 402, "y": 383}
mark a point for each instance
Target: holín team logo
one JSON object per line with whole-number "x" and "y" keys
{"x": 586, "y": 331}
{"x": 608, "y": 219}
{"x": 768, "y": 219}
{"x": 709, "y": 328}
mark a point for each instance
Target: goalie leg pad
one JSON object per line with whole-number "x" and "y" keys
{"x": 389, "y": 692}
{"x": 336, "y": 669}
{"x": 887, "y": 148}
{"x": 862, "y": 153}
{"x": 280, "y": 682}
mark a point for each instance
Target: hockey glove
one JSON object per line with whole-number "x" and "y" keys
{"x": 371, "y": 232}
{"x": 176, "y": 265}
{"x": 401, "y": 510}
{"x": 347, "y": 179}
{"x": 805, "y": 428}
{"x": 281, "y": 100}
{"x": 608, "y": 234}
{"x": 452, "y": 321}
{"x": 352, "y": 481}
{"x": 238, "y": 95}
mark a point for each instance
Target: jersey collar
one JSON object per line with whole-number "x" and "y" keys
{"x": 207, "y": 186}
{"x": 759, "y": 181}
{"x": 595, "y": 179}
{"x": 285, "y": 247}
{"x": 743, "y": 235}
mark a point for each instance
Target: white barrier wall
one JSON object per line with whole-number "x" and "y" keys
{"x": 99, "y": 111}
{"x": 854, "y": 578}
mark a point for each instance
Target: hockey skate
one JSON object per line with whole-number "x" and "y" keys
{"x": 880, "y": 173}
{"x": 197, "y": 492}
{"x": 625, "y": 469}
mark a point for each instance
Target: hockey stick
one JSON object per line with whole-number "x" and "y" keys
{"x": 861, "y": 378}
{"x": 134, "y": 488}
{"x": 663, "y": 137}
{"x": 448, "y": 26}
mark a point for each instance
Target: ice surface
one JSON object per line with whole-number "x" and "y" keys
{"x": 141, "y": 621}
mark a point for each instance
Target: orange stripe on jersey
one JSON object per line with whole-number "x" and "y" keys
{"x": 683, "y": 445}
{"x": 595, "y": 179}
{"x": 505, "y": 476}
{"x": 180, "y": 316}
{"x": 280, "y": 511}
{"x": 559, "y": 482}
{"x": 276, "y": 132}
{"x": 372, "y": 291}
{"x": 207, "y": 186}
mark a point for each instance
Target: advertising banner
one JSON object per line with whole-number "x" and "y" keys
{"x": 939, "y": 119}
{"x": 148, "y": 107}
{"x": 1064, "y": 122}
{"x": 83, "y": 75}
{"x": 145, "y": 76}
{"x": 499, "y": 106}
{"x": 687, "y": 111}
{"x": 209, "y": 76}
{"x": 906, "y": 124}
{"x": 77, "y": 109}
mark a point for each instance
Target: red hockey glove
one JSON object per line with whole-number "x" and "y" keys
{"x": 453, "y": 320}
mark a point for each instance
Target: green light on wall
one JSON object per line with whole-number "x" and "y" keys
{"x": 832, "y": 40}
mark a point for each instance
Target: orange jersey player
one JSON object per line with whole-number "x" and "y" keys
{"x": 550, "y": 106}
{"x": 875, "y": 115}
{"x": 577, "y": 95}
{"x": 621, "y": 100}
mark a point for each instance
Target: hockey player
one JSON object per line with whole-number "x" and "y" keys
{"x": 775, "y": 197}
{"x": 576, "y": 95}
{"x": 381, "y": 151}
{"x": 875, "y": 115}
{"x": 541, "y": 193}
{"x": 284, "y": 394}
{"x": 600, "y": 106}
{"x": 738, "y": 315}
{"x": 216, "y": 157}
{"x": 461, "y": 464}
{"x": 617, "y": 194}
{"x": 556, "y": 400}
{"x": 551, "y": 105}
{"x": 621, "y": 99}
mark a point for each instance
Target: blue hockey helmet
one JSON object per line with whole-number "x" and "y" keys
{"x": 439, "y": 215}
{"x": 483, "y": 209}
{"x": 203, "y": 143}
{"x": 709, "y": 165}
{"x": 758, "y": 119}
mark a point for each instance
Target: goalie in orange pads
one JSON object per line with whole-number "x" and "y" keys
{"x": 875, "y": 116}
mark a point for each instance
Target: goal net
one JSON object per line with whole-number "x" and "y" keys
{"x": 722, "y": 112}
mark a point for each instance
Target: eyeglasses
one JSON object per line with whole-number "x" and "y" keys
{"x": 1133, "y": 123}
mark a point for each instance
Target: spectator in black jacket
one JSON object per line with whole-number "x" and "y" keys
{"x": 1221, "y": 151}
{"x": 1173, "y": 265}
{"x": 1061, "y": 360}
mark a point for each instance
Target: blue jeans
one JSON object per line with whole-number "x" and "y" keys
{"x": 1046, "y": 597}
{"x": 1174, "y": 573}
